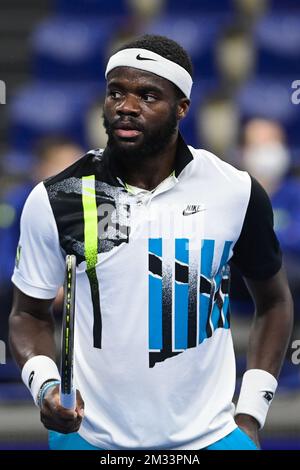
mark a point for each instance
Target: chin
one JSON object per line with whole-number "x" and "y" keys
{"x": 128, "y": 144}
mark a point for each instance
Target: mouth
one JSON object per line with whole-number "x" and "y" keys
{"x": 126, "y": 131}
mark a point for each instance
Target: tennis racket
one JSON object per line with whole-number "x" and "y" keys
{"x": 67, "y": 390}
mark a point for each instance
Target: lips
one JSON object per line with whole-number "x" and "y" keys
{"x": 126, "y": 130}
{"x": 127, "y": 133}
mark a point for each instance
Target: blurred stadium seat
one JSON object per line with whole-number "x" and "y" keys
{"x": 200, "y": 5}
{"x": 271, "y": 98}
{"x": 291, "y": 5}
{"x": 17, "y": 163}
{"x": 188, "y": 125}
{"x": 197, "y": 33}
{"x": 47, "y": 108}
{"x": 11, "y": 388}
{"x": 71, "y": 48}
{"x": 278, "y": 37}
{"x": 92, "y": 7}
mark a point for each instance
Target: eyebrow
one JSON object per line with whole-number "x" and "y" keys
{"x": 140, "y": 89}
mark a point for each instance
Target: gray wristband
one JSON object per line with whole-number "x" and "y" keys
{"x": 44, "y": 388}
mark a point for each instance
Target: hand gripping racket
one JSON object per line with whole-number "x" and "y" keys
{"x": 67, "y": 390}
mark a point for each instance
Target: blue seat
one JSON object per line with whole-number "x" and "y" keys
{"x": 200, "y": 5}
{"x": 9, "y": 372}
{"x": 287, "y": 5}
{"x": 12, "y": 392}
{"x": 277, "y": 37}
{"x": 189, "y": 125}
{"x": 197, "y": 33}
{"x": 72, "y": 48}
{"x": 45, "y": 108}
{"x": 289, "y": 377}
{"x": 92, "y": 7}
{"x": 272, "y": 99}
{"x": 295, "y": 154}
{"x": 17, "y": 163}
{"x": 100, "y": 7}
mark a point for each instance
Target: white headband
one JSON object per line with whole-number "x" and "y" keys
{"x": 151, "y": 62}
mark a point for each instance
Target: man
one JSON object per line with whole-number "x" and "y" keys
{"x": 153, "y": 224}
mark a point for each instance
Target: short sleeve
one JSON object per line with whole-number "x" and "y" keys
{"x": 257, "y": 252}
{"x": 39, "y": 269}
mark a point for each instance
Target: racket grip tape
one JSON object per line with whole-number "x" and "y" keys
{"x": 68, "y": 400}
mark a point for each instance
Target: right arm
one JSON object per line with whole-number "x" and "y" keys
{"x": 31, "y": 328}
{"x": 32, "y": 334}
{"x": 38, "y": 275}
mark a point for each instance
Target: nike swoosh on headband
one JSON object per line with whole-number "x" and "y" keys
{"x": 144, "y": 58}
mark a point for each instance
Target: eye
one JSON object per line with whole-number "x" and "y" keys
{"x": 149, "y": 98}
{"x": 114, "y": 94}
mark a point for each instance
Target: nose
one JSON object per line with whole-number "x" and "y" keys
{"x": 129, "y": 106}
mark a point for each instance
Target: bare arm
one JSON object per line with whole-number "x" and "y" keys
{"x": 270, "y": 332}
{"x": 31, "y": 334}
{"x": 273, "y": 322}
{"x": 31, "y": 328}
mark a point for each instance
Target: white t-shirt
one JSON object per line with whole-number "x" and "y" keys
{"x": 154, "y": 358}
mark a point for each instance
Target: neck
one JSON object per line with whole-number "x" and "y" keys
{"x": 148, "y": 173}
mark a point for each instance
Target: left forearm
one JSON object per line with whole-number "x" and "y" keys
{"x": 270, "y": 335}
{"x": 268, "y": 342}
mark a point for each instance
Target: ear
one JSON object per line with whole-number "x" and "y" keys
{"x": 182, "y": 108}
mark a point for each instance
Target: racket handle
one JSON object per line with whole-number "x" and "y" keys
{"x": 68, "y": 400}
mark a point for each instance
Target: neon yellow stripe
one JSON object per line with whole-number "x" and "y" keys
{"x": 90, "y": 220}
{"x": 129, "y": 188}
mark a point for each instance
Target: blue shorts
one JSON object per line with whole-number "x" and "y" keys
{"x": 236, "y": 440}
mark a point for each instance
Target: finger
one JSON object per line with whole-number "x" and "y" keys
{"x": 79, "y": 400}
{"x": 61, "y": 429}
{"x": 66, "y": 414}
{"x": 51, "y": 409}
{"x": 52, "y": 402}
{"x": 53, "y": 399}
{"x": 80, "y": 412}
{"x": 79, "y": 404}
{"x": 64, "y": 428}
{"x": 55, "y": 424}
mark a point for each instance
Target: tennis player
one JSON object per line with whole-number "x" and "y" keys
{"x": 153, "y": 224}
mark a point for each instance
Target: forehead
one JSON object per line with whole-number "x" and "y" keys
{"x": 131, "y": 77}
